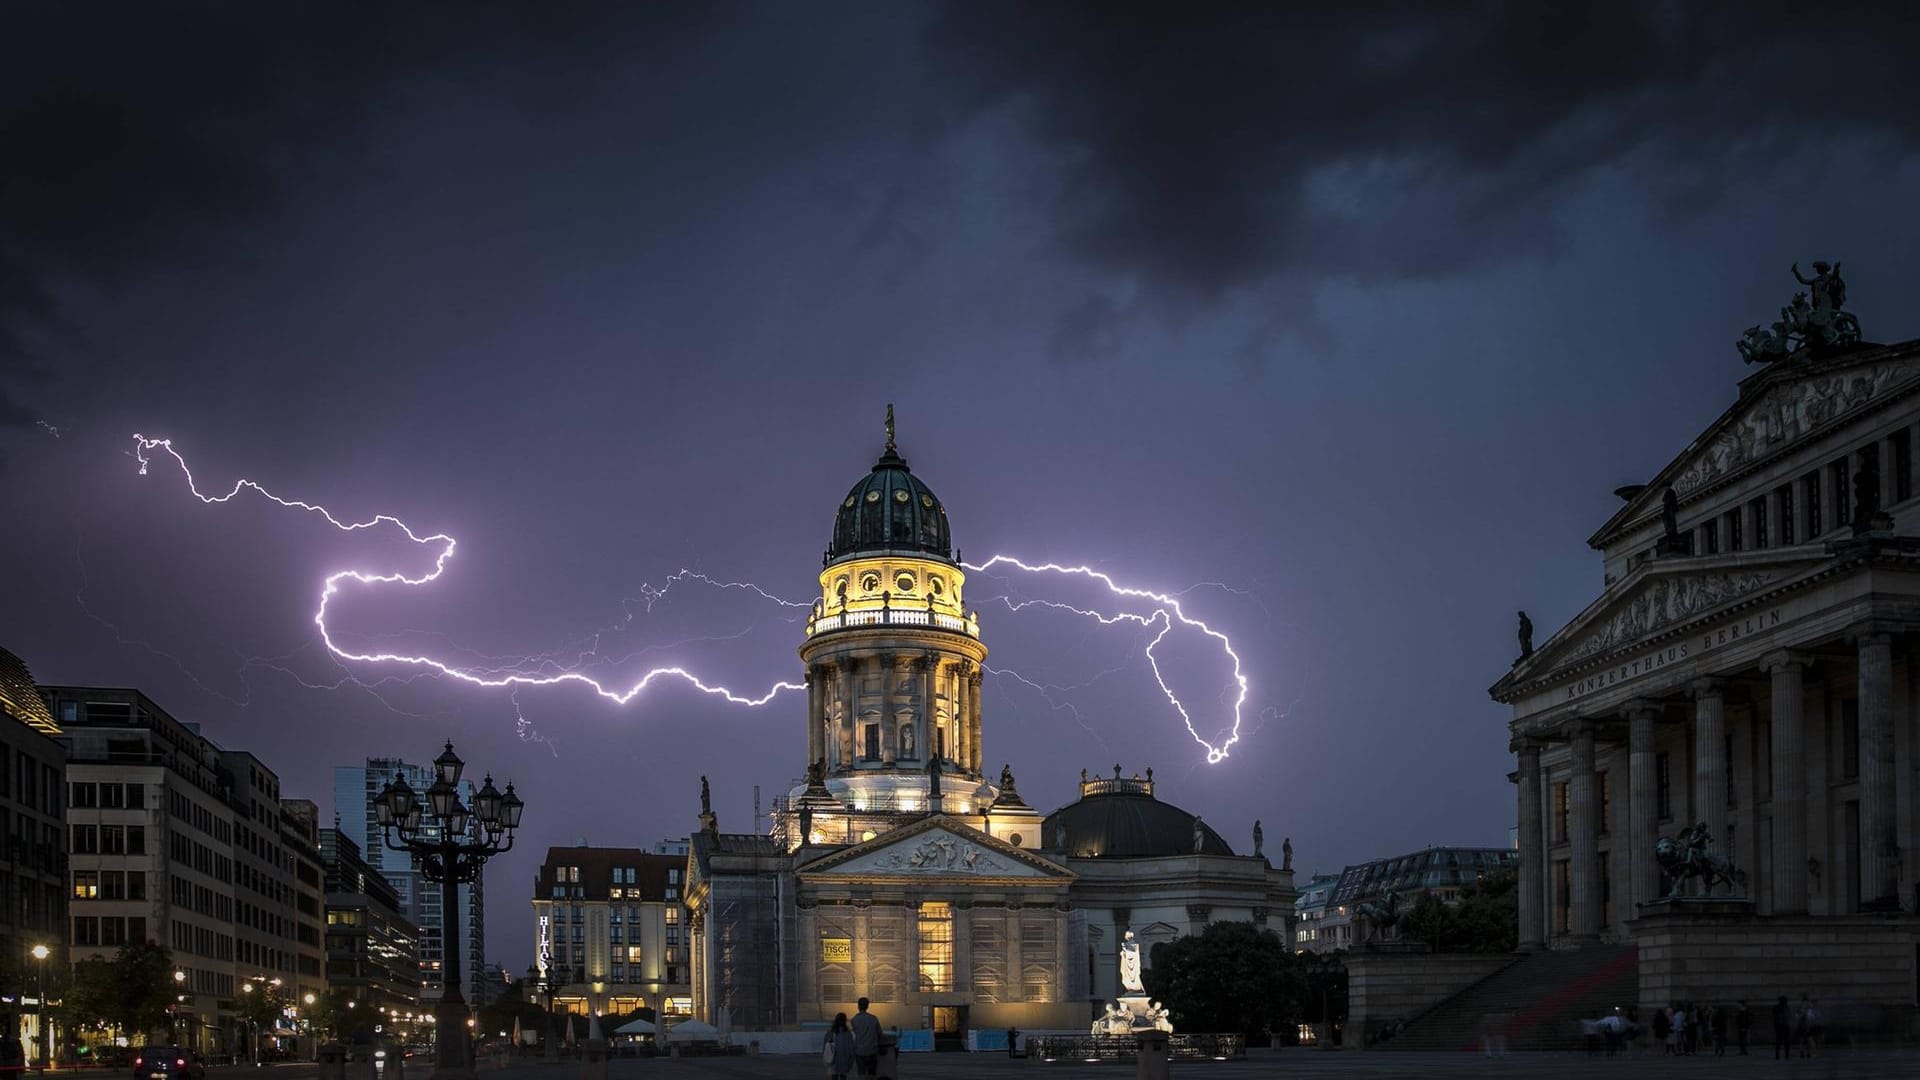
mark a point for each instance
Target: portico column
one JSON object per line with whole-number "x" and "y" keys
{"x": 1710, "y": 757}
{"x": 959, "y": 718}
{"x": 1643, "y": 818}
{"x": 889, "y": 737}
{"x": 1584, "y": 820}
{"x": 1533, "y": 852}
{"x": 1789, "y": 783}
{"x": 1879, "y": 839}
{"x": 1016, "y": 958}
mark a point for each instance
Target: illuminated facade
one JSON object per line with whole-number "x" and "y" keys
{"x": 1750, "y": 666}
{"x": 610, "y": 927}
{"x": 373, "y": 953}
{"x": 900, "y": 870}
{"x": 33, "y": 906}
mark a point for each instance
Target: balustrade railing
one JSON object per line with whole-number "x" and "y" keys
{"x": 920, "y": 617}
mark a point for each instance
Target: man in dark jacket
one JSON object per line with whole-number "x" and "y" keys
{"x": 1782, "y": 1030}
{"x": 866, "y": 1041}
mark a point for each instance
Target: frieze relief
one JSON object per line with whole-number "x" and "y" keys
{"x": 1787, "y": 412}
{"x": 941, "y": 854}
{"x": 1665, "y": 602}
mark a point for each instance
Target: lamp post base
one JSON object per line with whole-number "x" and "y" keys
{"x": 453, "y": 1048}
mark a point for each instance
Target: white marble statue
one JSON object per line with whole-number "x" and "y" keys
{"x": 1130, "y": 965}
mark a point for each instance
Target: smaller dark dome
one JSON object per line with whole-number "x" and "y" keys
{"x": 890, "y": 510}
{"x": 1126, "y": 823}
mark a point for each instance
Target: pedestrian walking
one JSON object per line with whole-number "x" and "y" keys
{"x": 1800, "y": 1025}
{"x": 1782, "y": 1030}
{"x": 1662, "y": 1030}
{"x": 837, "y": 1052}
{"x": 1679, "y": 1022}
{"x": 1743, "y": 1023}
{"x": 1717, "y": 1023}
{"x": 1815, "y": 1029}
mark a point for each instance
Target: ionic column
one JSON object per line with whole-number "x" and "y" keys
{"x": 1879, "y": 837}
{"x": 963, "y": 947}
{"x": 973, "y": 720}
{"x": 1643, "y": 818}
{"x": 889, "y": 737}
{"x": 1710, "y": 758}
{"x": 958, "y": 719}
{"x": 1016, "y": 959}
{"x": 1584, "y": 822}
{"x": 816, "y": 715}
{"x": 1533, "y": 851}
{"x": 1789, "y": 782}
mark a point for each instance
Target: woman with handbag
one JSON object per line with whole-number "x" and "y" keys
{"x": 836, "y": 1053}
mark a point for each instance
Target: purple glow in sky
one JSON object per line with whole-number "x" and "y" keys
{"x": 1354, "y": 314}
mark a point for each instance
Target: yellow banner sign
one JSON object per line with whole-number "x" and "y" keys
{"x": 836, "y": 950}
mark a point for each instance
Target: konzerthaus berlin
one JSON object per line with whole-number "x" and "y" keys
{"x": 1752, "y": 665}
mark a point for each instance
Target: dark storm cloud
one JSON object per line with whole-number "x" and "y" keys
{"x": 1231, "y": 146}
{"x": 142, "y": 135}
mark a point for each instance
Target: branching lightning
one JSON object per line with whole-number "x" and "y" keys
{"x": 442, "y": 545}
{"x": 1162, "y": 613}
{"x": 1161, "y": 621}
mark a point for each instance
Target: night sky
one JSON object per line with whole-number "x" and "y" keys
{"x": 1350, "y": 319}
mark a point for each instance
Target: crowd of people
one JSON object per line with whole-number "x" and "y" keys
{"x": 1686, "y": 1028}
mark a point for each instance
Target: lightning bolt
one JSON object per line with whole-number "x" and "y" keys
{"x": 1165, "y": 615}
{"x": 442, "y": 545}
{"x": 1161, "y": 621}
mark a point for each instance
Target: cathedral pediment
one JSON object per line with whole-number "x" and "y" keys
{"x": 937, "y": 847}
{"x": 1777, "y": 408}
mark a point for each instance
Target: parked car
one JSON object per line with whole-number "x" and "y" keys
{"x": 168, "y": 1063}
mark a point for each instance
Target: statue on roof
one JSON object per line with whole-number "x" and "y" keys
{"x": 1006, "y": 780}
{"x": 1286, "y": 853}
{"x": 1526, "y": 636}
{"x": 706, "y": 797}
{"x": 1259, "y": 838}
{"x": 1199, "y": 834}
{"x": 1815, "y": 325}
{"x": 933, "y": 783}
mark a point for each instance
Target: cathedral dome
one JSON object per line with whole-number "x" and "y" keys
{"x": 1119, "y": 818}
{"x": 890, "y": 510}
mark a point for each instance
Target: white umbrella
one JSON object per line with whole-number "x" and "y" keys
{"x": 636, "y": 1027}
{"x": 692, "y": 1030}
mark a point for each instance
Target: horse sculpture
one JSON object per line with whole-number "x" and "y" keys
{"x": 1691, "y": 855}
{"x": 1384, "y": 913}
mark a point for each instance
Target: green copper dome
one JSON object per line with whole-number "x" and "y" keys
{"x": 890, "y": 510}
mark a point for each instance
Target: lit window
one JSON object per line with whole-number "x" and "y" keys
{"x": 936, "y": 947}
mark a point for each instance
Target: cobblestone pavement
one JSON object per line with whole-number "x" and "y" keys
{"x": 1876, "y": 1064}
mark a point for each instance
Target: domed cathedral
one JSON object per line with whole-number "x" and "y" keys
{"x": 893, "y": 658}
{"x": 899, "y": 869}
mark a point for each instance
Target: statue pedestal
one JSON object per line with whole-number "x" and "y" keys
{"x": 1131, "y": 1014}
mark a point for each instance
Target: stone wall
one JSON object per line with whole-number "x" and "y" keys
{"x": 1867, "y": 960}
{"x": 1383, "y": 987}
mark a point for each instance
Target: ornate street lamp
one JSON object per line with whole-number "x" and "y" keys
{"x": 434, "y": 832}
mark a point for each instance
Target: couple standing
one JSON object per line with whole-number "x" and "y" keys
{"x": 852, "y": 1047}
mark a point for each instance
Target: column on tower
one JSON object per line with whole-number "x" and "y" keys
{"x": 847, "y": 718}
{"x": 816, "y": 715}
{"x": 956, "y": 719}
{"x": 889, "y": 736}
{"x": 924, "y": 721}
{"x": 974, "y": 676}
{"x": 1585, "y": 826}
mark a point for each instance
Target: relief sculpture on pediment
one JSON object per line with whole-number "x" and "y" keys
{"x": 1786, "y": 413}
{"x": 1664, "y": 602}
{"x": 943, "y": 854}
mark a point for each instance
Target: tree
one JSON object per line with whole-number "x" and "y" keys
{"x": 1231, "y": 977}
{"x": 261, "y": 1004}
{"x": 131, "y": 992}
{"x": 1486, "y": 919}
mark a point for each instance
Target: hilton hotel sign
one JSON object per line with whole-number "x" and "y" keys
{"x": 1688, "y": 647}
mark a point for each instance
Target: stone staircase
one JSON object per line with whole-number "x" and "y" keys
{"x": 1546, "y": 994}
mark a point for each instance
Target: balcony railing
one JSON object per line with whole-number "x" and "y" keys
{"x": 893, "y": 616}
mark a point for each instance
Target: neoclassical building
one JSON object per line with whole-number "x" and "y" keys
{"x": 1752, "y": 664}
{"x": 901, "y": 870}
